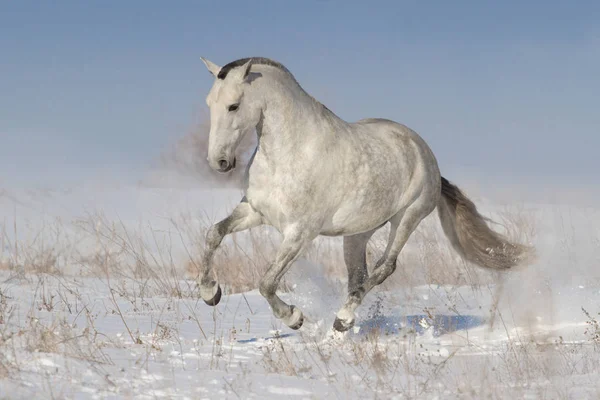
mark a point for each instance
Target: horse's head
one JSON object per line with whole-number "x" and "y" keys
{"x": 233, "y": 112}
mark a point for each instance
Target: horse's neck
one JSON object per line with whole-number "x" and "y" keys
{"x": 292, "y": 118}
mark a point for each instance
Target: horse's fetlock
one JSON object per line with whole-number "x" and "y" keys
{"x": 266, "y": 289}
{"x": 356, "y": 295}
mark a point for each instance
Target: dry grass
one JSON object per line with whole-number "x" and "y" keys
{"x": 137, "y": 264}
{"x": 402, "y": 367}
{"x": 593, "y": 327}
{"x": 97, "y": 246}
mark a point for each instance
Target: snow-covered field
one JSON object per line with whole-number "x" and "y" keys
{"x": 97, "y": 301}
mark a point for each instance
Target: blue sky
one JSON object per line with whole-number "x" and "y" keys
{"x": 508, "y": 90}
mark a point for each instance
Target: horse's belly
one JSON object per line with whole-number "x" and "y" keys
{"x": 365, "y": 200}
{"x": 351, "y": 219}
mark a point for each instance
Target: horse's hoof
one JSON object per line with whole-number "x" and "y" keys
{"x": 344, "y": 320}
{"x": 342, "y": 325}
{"x": 211, "y": 295}
{"x": 295, "y": 320}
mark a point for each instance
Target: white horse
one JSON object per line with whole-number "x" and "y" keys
{"x": 314, "y": 174}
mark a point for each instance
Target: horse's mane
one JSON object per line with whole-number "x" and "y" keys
{"x": 263, "y": 61}
{"x": 253, "y": 61}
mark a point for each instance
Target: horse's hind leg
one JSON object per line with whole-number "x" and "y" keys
{"x": 243, "y": 217}
{"x": 355, "y": 257}
{"x": 408, "y": 222}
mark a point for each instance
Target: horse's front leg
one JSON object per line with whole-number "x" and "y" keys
{"x": 295, "y": 239}
{"x": 243, "y": 217}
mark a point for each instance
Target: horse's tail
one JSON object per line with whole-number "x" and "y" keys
{"x": 471, "y": 237}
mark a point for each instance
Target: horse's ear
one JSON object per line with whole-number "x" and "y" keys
{"x": 241, "y": 73}
{"x": 212, "y": 67}
{"x": 246, "y": 68}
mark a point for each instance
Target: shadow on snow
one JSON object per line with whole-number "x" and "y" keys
{"x": 437, "y": 324}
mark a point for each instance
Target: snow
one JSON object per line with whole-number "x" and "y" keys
{"x": 78, "y": 335}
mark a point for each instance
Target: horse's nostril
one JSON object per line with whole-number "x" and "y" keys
{"x": 223, "y": 164}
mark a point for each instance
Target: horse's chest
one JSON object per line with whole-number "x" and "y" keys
{"x": 277, "y": 194}
{"x": 267, "y": 205}
{"x": 273, "y": 203}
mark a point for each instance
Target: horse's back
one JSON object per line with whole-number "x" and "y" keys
{"x": 392, "y": 166}
{"x": 388, "y": 126}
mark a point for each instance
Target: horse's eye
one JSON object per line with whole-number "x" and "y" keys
{"x": 233, "y": 107}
